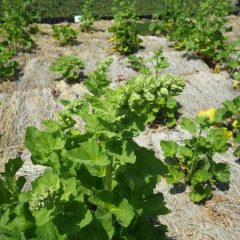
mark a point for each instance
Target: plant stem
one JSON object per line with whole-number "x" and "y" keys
{"x": 108, "y": 178}
{"x": 195, "y": 159}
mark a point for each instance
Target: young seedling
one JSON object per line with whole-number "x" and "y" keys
{"x": 158, "y": 61}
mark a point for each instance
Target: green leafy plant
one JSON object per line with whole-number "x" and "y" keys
{"x": 64, "y": 34}
{"x": 200, "y": 28}
{"x": 7, "y": 65}
{"x": 158, "y": 61}
{"x": 165, "y": 17}
{"x": 192, "y": 162}
{"x": 138, "y": 64}
{"x": 87, "y": 18}
{"x": 69, "y": 66}
{"x": 99, "y": 184}
{"x": 125, "y": 36}
{"x": 98, "y": 80}
{"x": 207, "y": 37}
{"x": 228, "y": 116}
{"x": 16, "y": 25}
{"x": 170, "y": 107}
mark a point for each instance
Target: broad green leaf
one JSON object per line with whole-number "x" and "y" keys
{"x": 170, "y": 122}
{"x": 69, "y": 188}
{"x": 200, "y": 193}
{"x": 188, "y": 125}
{"x": 217, "y": 136}
{"x": 237, "y": 139}
{"x": 222, "y": 172}
{"x": 49, "y": 231}
{"x": 153, "y": 205}
{"x": 93, "y": 231}
{"x": 175, "y": 176}
{"x": 42, "y": 215}
{"x": 186, "y": 151}
{"x": 237, "y": 152}
{"x": 104, "y": 216}
{"x": 230, "y": 106}
{"x": 170, "y": 148}
{"x": 73, "y": 217}
{"x": 147, "y": 229}
{"x": 89, "y": 153}
{"x": 17, "y": 219}
{"x": 11, "y": 234}
{"x": 123, "y": 152}
{"x": 171, "y": 103}
{"x": 10, "y": 184}
{"x": 117, "y": 206}
{"x": 201, "y": 176}
{"x": 42, "y": 144}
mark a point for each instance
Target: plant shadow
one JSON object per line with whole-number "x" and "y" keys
{"x": 222, "y": 186}
{"x": 190, "y": 57}
{"x": 71, "y": 82}
{"x": 178, "y": 188}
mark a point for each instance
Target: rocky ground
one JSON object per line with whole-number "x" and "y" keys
{"x": 36, "y": 95}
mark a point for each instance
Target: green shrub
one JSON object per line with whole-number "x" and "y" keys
{"x": 7, "y": 65}
{"x": 64, "y": 34}
{"x": 16, "y": 26}
{"x": 192, "y": 162}
{"x": 98, "y": 80}
{"x": 125, "y": 37}
{"x": 100, "y": 184}
{"x": 68, "y": 66}
{"x": 158, "y": 61}
{"x": 88, "y": 18}
{"x": 227, "y": 116}
{"x": 201, "y": 29}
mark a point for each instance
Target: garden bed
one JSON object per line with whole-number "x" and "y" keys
{"x": 36, "y": 95}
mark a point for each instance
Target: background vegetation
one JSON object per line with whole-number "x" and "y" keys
{"x": 62, "y": 8}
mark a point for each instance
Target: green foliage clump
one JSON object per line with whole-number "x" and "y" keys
{"x": 138, "y": 64}
{"x": 192, "y": 162}
{"x": 64, "y": 34}
{"x": 228, "y": 116}
{"x": 201, "y": 29}
{"x": 7, "y": 65}
{"x": 16, "y": 25}
{"x": 100, "y": 182}
{"x": 98, "y": 80}
{"x": 125, "y": 36}
{"x": 68, "y": 66}
{"x": 158, "y": 61}
{"x": 88, "y": 18}
{"x": 16, "y": 28}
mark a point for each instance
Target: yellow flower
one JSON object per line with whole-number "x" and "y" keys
{"x": 228, "y": 134}
{"x": 209, "y": 113}
{"x": 236, "y": 124}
